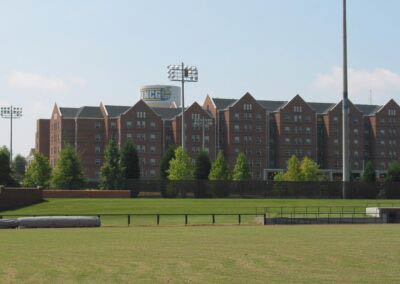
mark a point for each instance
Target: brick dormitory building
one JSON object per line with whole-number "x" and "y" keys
{"x": 267, "y": 132}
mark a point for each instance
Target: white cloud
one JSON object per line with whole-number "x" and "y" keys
{"x": 34, "y": 81}
{"x": 22, "y": 80}
{"x": 383, "y": 84}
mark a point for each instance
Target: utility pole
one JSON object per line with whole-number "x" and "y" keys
{"x": 345, "y": 105}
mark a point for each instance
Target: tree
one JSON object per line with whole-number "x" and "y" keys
{"x": 111, "y": 173}
{"x": 5, "y": 168}
{"x": 68, "y": 173}
{"x": 241, "y": 170}
{"x": 393, "y": 172}
{"x": 19, "y": 167}
{"x": 369, "y": 174}
{"x": 180, "y": 167}
{"x": 309, "y": 170}
{"x": 306, "y": 170}
{"x": 38, "y": 172}
{"x": 219, "y": 168}
{"x": 202, "y": 166}
{"x": 130, "y": 161}
{"x": 293, "y": 172}
{"x": 164, "y": 164}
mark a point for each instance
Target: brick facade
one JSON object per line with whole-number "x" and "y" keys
{"x": 267, "y": 132}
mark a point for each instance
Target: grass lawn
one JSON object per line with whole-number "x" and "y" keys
{"x": 203, "y": 254}
{"x": 256, "y": 207}
{"x": 187, "y": 205}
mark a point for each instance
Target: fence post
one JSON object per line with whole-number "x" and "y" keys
{"x": 129, "y": 220}
{"x": 239, "y": 219}
{"x": 158, "y": 219}
{"x": 265, "y": 219}
{"x": 213, "y": 219}
{"x": 186, "y": 219}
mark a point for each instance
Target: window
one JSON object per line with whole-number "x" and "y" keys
{"x": 129, "y": 136}
{"x": 258, "y": 140}
{"x": 355, "y": 120}
{"x": 308, "y": 130}
{"x": 355, "y": 141}
{"x": 236, "y": 139}
{"x": 297, "y": 109}
{"x": 287, "y": 129}
{"x": 141, "y": 148}
{"x": 236, "y": 128}
{"x": 97, "y": 138}
{"x": 392, "y": 112}
{"x": 196, "y": 116}
{"x": 258, "y": 128}
{"x": 97, "y": 162}
{"x": 247, "y": 107}
{"x": 286, "y": 117}
{"x": 141, "y": 114}
{"x": 236, "y": 116}
{"x": 152, "y": 137}
{"x": 97, "y": 125}
{"x": 355, "y": 130}
{"x": 336, "y": 141}
{"x": 97, "y": 149}
{"x": 152, "y": 125}
{"x": 152, "y": 162}
{"x": 113, "y": 125}
{"x": 129, "y": 124}
{"x": 152, "y": 173}
{"x": 308, "y": 141}
{"x": 335, "y": 119}
{"x": 287, "y": 140}
{"x": 382, "y": 131}
{"x": 258, "y": 116}
{"x": 355, "y": 154}
{"x": 248, "y": 116}
{"x": 152, "y": 149}
{"x": 206, "y": 139}
{"x": 382, "y": 142}
{"x": 236, "y": 150}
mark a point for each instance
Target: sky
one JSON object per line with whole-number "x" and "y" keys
{"x": 76, "y": 53}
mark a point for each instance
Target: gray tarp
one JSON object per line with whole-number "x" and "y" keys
{"x": 8, "y": 223}
{"x": 58, "y": 222}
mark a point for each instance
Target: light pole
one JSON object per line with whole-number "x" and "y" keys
{"x": 183, "y": 73}
{"x": 11, "y": 113}
{"x": 345, "y": 105}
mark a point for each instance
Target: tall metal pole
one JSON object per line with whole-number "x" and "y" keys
{"x": 203, "y": 130}
{"x": 183, "y": 106}
{"x": 345, "y": 103}
{"x": 11, "y": 134}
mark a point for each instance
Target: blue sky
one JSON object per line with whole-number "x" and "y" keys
{"x": 83, "y": 52}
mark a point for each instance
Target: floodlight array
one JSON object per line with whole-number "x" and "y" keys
{"x": 8, "y": 112}
{"x": 183, "y": 73}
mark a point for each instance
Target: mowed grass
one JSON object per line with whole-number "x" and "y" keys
{"x": 207, "y": 207}
{"x": 179, "y": 206}
{"x": 206, "y": 254}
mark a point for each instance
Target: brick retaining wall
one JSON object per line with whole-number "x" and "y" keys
{"x": 86, "y": 194}
{"x": 17, "y": 197}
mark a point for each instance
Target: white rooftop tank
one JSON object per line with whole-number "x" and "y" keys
{"x": 161, "y": 95}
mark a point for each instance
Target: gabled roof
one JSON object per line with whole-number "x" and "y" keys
{"x": 166, "y": 113}
{"x": 115, "y": 111}
{"x": 368, "y": 109}
{"x": 68, "y": 112}
{"x": 271, "y": 105}
{"x": 321, "y": 107}
{"x": 221, "y": 103}
{"x": 89, "y": 112}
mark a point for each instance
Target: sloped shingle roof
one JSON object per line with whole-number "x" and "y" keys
{"x": 116, "y": 111}
{"x": 167, "y": 113}
{"x": 69, "y": 112}
{"x": 89, "y": 112}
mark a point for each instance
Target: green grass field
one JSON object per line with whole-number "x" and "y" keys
{"x": 205, "y": 254}
{"x": 254, "y": 207}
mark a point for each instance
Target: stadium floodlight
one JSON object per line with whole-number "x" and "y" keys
{"x": 11, "y": 113}
{"x": 182, "y": 73}
{"x": 345, "y": 108}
